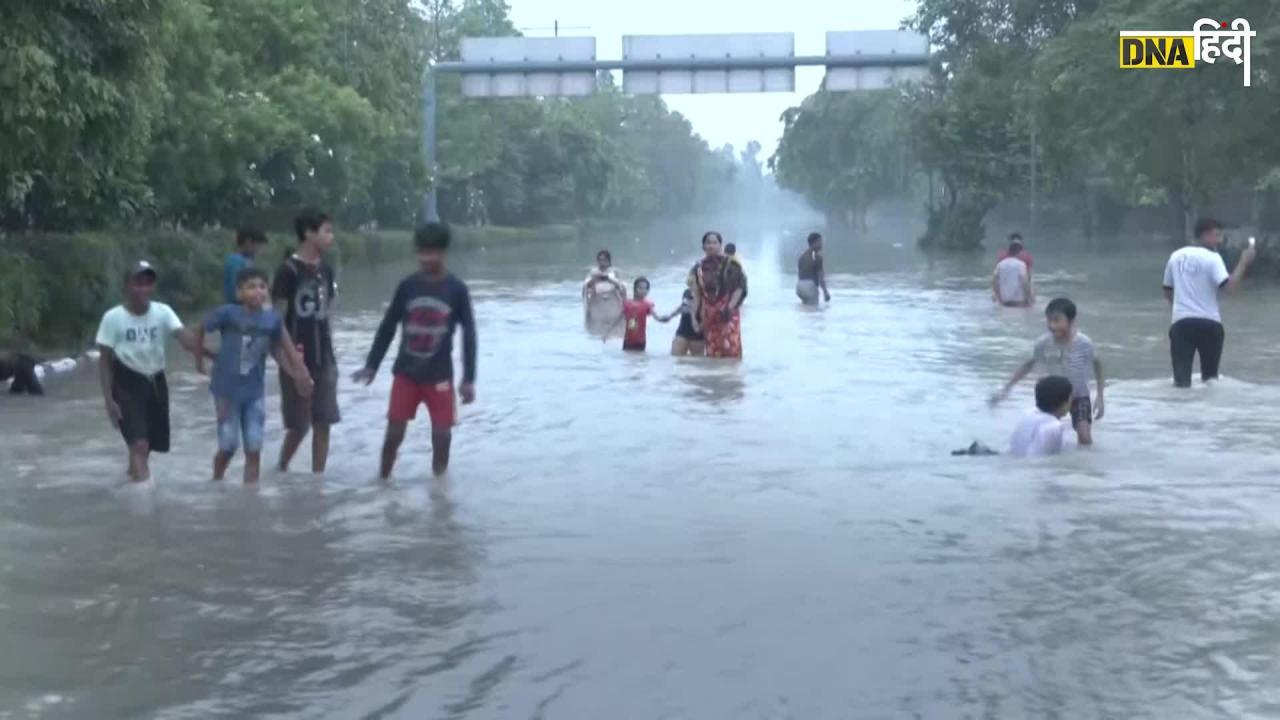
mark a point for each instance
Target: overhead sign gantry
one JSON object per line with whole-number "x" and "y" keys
{"x": 668, "y": 64}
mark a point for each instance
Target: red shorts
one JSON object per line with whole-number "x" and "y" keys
{"x": 407, "y": 395}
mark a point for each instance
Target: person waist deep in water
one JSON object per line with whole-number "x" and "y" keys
{"x": 719, "y": 286}
{"x": 810, "y": 274}
{"x": 636, "y": 313}
{"x": 689, "y": 340}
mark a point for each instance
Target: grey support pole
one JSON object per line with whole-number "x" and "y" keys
{"x": 430, "y": 207}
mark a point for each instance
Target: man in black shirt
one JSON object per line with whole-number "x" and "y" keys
{"x": 429, "y": 304}
{"x": 303, "y": 291}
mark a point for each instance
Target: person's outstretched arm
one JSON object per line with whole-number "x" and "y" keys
{"x": 466, "y": 318}
{"x": 995, "y": 287}
{"x": 185, "y": 337}
{"x": 106, "y": 377}
{"x": 1023, "y": 370}
{"x": 382, "y": 340}
{"x": 199, "y": 341}
{"x": 1026, "y": 290}
{"x": 1236, "y": 279}
{"x": 290, "y": 360}
{"x": 822, "y": 281}
{"x": 1099, "y": 407}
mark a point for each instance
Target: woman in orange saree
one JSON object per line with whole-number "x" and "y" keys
{"x": 720, "y": 286}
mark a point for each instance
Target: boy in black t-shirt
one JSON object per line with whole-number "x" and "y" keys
{"x": 430, "y": 304}
{"x": 303, "y": 292}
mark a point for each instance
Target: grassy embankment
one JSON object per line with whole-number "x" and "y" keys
{"x": 55, "y": 287}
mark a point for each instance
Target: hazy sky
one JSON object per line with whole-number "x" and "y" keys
{"x": 736, "y": 118}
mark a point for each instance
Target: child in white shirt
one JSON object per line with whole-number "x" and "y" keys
{"x": 1040, "y": 433}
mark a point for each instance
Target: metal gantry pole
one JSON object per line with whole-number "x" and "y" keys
{"x": 430, "y": 201}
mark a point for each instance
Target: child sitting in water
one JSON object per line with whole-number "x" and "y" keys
{"x": 1041, "y": 432}
{"x": 637, "y": 313}
{"x": 603, "y": 272}
{"x": 1067, "y": 352}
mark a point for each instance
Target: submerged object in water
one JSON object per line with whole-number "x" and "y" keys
{"x": 976, "y": 448}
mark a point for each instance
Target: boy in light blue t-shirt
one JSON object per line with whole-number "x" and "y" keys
{"x": 249, "y": 332}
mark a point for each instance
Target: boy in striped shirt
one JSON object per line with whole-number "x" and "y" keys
{"x": 1066, "y": 351}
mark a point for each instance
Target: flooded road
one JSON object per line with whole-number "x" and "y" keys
{"x": 639, "y": 537}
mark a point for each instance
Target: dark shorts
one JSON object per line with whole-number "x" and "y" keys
{"x": 144, "y": 407}
{"x": 320, "y": 409}
{"x": 633, "y": 347}
{"x": 1081, "y": 410}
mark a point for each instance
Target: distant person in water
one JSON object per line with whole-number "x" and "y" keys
{"x": 131, "y": 340}
{"x": 1193, "y": 279}
{"x": 605, "y": 273}
{"x": 250, "y": 330}
{"x": 1069, "y": 353}
{"x": 1015, "y": 239}
{"x": 21, "y": 368}
{"x": 1011, "y": 281}
{"x": 719, "y": 288}
{"x": 689, "y": 340}
{"x": 429, "y": 305}
{"x": 636, "y": 313}
{"x": 1041, "y": 432}
{"x": 811, "y": 276}
{"x": 249, "y": 242}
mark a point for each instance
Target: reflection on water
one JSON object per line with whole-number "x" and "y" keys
{"x": 642, "y": 536}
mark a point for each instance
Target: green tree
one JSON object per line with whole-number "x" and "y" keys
{"x": 81, "y": 83}
{"x": 844, "y": 152}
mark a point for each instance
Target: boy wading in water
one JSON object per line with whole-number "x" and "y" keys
{"x": 1066, "y": 352}
{"x": 132, "y": 341}
{"x": 249, "y": 242}
{"x": 249, "y": 332}
{"x": 429, "y": 305}
{"x": 303, "y": 292}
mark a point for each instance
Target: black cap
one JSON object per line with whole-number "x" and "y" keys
{"x": 140, "y": 268}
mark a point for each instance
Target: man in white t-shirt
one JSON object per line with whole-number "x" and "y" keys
{"x": 132, "y": 338}
{"x": 1193, "y": 278}
{"x": 1040, "y": 433}
{"x": 1011, "y": 282}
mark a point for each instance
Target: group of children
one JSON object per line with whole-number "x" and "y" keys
{"x": 429, "y": 305}
{"x": 689, "y": 339}
{"x": 1070, "y": 362}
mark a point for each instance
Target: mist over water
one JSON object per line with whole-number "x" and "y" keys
{"x": 630, "y": 536}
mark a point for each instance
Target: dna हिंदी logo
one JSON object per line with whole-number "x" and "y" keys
{"x": 1209, "y": 41}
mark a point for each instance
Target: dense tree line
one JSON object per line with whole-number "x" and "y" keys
{"x": 1014, "y": 83}
{"x": 198, "y": 112}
